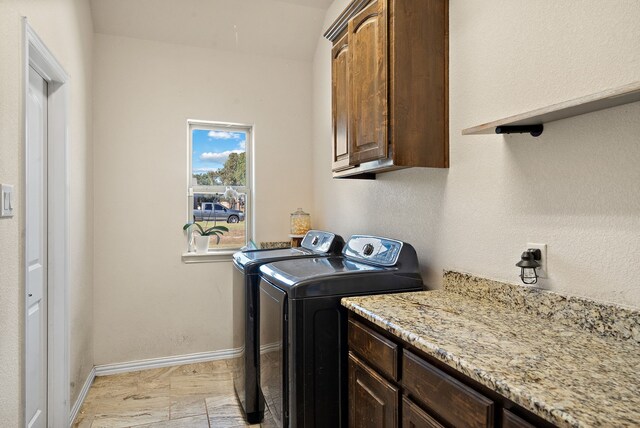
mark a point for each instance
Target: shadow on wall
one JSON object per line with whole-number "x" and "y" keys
{"x": 409, "y": 205}
{"x": 583, "y": 166}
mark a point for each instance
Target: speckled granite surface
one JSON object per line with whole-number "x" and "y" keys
{"x": 602, "y": 319}
{"x": 274, "y": 244}
{"x": 565, "y": 374}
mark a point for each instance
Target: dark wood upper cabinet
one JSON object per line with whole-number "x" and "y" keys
{"x": 394, "y": 54}
{"x": 340, "y": 103}
{"x": 368, "y": 84}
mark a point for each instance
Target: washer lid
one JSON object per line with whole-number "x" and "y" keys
{"x": 316, "y": 243}
{"x": 292, "y": 272}
{"x": 243, "y": 258}
{"x": 335, "y": 276}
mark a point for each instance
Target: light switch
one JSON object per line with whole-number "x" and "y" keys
{"x": 6, "y": 200}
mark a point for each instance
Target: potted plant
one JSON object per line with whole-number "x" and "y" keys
{"x": 204, "y": 233}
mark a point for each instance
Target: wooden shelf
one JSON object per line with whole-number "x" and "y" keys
{"x": 602, "y": 100}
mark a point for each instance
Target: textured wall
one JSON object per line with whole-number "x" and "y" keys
{"x": 65, "y": 27}
{"x": 575, "y": 188}
{"x": 147, "y": 302}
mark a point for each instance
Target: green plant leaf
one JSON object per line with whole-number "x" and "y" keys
{"x": 200, "y": 229}
{"x": 216, "y": 230}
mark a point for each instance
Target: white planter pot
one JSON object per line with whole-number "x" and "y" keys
{"x": 202, "y": 244}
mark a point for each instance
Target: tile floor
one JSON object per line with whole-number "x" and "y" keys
{"x": 188, "y": 396}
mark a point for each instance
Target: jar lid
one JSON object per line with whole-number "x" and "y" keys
{"x": 299, "y": 212}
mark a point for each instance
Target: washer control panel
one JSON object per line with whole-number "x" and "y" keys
{"x": 318, "y": 241}
{"x": 372, "y": 249}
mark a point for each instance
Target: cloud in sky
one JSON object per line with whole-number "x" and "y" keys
{"x": 242, "y": 145}
{"x": 202, "y": 170}
{"x": 224, "y": 135}
{"x": 218, "y": 157}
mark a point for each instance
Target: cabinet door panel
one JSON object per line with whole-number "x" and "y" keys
{"x": 414, "y": 417}
{"x": 340, "y": 104}
{"x": 449, "y": 398}
{"x": 373, "y": 402}
{"x": 376, "y": 349}
{"x": 368, "y": 54}
{"x": 510, "y": 420}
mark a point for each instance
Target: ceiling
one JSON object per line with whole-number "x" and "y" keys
{"x": 283, "y": 28}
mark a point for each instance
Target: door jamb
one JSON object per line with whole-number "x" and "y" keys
{"x": 38, "y": 56}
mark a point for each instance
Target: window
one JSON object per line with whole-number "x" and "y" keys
{"x": 219, "y": 180}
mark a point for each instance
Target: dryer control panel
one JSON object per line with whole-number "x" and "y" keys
{"x": 320, "y": 241}
{"x": 372, "y": 249}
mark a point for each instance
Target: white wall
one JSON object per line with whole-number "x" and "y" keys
{"x": 148, "y": 303}
{"x": 574, "y": 188}
{"x": 65, "y": 27}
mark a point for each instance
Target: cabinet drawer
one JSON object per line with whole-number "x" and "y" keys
{"x": 377, "y": 350}
{"x": 373, "y": 401}
{"x": 452, "y": 400}
{"x": 414, "y": 417}
{"x": 509, "y": 420}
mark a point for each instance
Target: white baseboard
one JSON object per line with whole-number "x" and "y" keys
{"x": 154, "y": 363}
{"x": 81, "y": 397}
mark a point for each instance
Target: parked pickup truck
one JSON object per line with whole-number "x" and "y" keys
{"x": 211, "y": 211}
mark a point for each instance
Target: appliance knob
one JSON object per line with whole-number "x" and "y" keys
{"x": 368, "y": 250}
{"x": 315, "y": 240}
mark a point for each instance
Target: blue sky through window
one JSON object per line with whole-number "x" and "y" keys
{"x": 212, "y": 148}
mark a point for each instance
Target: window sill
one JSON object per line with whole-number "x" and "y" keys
{"x": 210, "y": 257}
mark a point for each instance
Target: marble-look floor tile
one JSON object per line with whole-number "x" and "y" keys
{"x": 131, "y": 410}
{"x": 191, "y": 395}
{"x": 118, "y": 384}
{"x": 199, "y": 384}
{"x": 211, "y": 367}
{"x": 224, "y": 411}
{"x": 126, "y": 420}
{"x": 190, "y": 422}
{"x": 183, "y": 406}
{"x": 84, "y": 419}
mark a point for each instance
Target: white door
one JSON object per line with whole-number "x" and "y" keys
{"x": 36, "y": 253}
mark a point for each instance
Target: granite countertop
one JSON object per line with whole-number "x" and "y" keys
{"x": 566, "y": 374}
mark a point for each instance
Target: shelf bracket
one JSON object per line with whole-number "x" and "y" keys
{"x": 534, "y": 130}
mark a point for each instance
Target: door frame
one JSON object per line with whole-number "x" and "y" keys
{"x": 37, "y": 55}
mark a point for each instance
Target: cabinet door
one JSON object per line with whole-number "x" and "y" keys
{"x": 414, "y": 417}
{"x": 340, "y": 107}
{"x": 447, "y": 397}
{"x": 373, "y": 402}
{"x": 368, "y": 74}
{"x": 510, "y": 420}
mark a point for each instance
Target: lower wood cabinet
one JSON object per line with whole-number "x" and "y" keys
{"x": 392, "y": 384}
{"x": 452, "y": 400}
{"x": 414, "y": 417}
{"x": 509, "y": 420}
{"x": 373, "y": 400}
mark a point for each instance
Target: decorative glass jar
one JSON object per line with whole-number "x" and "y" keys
{"x": 300, "y": 222}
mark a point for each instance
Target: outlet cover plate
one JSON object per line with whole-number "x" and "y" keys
{"x": 542, "y": 270}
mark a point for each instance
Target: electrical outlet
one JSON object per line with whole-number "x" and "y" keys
{"x": 6, "y": 200}
{"x": 542, "y": 270}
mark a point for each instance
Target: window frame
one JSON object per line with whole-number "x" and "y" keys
{"x": 247, "y": 189}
